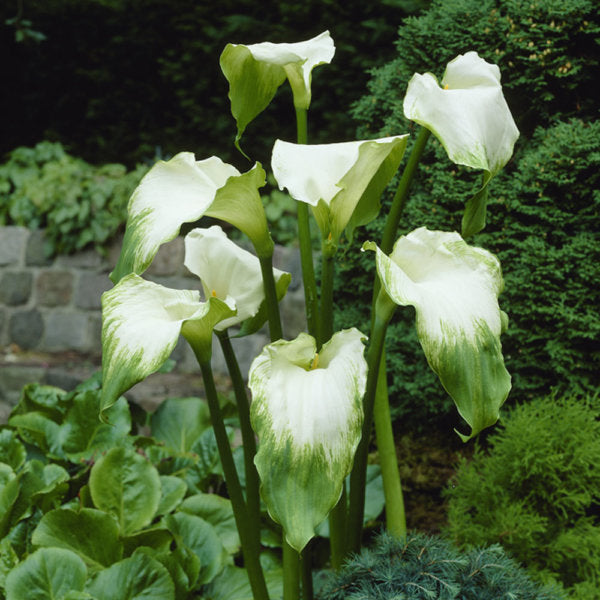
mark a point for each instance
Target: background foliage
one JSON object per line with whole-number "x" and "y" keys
{"x": 543, "y": 218}
{"x": 537, "y": 492}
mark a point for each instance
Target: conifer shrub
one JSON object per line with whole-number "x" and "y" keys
{"x": 536, "y": 491}
{"x": 427, "y": 567}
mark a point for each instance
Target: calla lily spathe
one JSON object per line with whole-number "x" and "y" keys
{"x": 470, "y": 117}
{"x": 342, "y": 182}
{"x": 226, "y": 270}
{"x": 255, "y": 72}
{"x": 307, "y": 413}
{"x": 141, "y": 323}
{"x": 454, "y": 288}
{"x": 182, "y": 190}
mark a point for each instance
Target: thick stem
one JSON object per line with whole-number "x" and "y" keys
{"x": 337, "y": 531}
{"x": 306, "y": 570}
{"x": 358, "y": 477}
{"x": 240, "y": 511}
{"x": 291, "y": 572}
{"x": 249, "y": 441}
{"x": 326, "y": 312}
{"x": 266, "y": 267}
{"x": 392, "y": 487}
{"x": 399, "y": 201}
{"x": 305, "y": 240}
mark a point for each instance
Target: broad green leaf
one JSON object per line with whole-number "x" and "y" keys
{"x": 8, "y": 560}
{"x": 39, "y": 429}
{"x": 307, "y": 413}
{"x": 173, "y": 490}
{"x": 45, "y": 399}
{"x": 47, "y": 574}
{"x": 219, "y": 513}
{"x": 124, "y": 484}
{"x": 156, "y": 538}
{"x": 135, "y": 578}
{"x": 233, "y": 584}
{"x": 342, "y": 182}
{"x": 178, "y": 422}
{"x": 454, "y": 288}
{"x": 90, "y": 533}
{"x": 9, "y": 492}
{"x": 12, "y": 451}
{"x": 255, "y": 71}
{"x": 201, "y": 537}
{"x": 226, "y": 270}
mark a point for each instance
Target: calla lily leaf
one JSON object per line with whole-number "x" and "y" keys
{"x": 255, "y": 71}
{"x": 454, "y": 288}
{"x": 141, "y": 324}
{"x": 470, "y": 117}
{"x": 226, "y": 270}
{"x": 182, "y": 190}
{"x": 342, "y": 182}
{"x": 307, "y": 413}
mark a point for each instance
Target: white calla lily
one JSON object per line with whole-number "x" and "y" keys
{"x": 307, "y": 413}
{"x": 454, "y": 288}
{"x": 141, "y": 323}
{"x": 228, "y": 271}
{"x": 470, "y": 117}
{"x": 182, "y": 190}
{"x": 255, "y": 72}
{"x": 342, "y": 182}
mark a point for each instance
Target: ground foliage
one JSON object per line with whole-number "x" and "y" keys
{"x": 426, "y": 567}
{"x": 543, "y": 217}
{"x": 536, "y": 491}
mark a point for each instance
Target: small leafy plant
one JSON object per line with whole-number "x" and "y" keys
{"x": 536, "y": 491}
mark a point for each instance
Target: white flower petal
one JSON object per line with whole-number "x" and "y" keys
{"x": 308, "y": 421}
{"x": 172, "y": 193}
{"x": 470, "y": 118}
{"x": 141, "y": 322}
{"x": 226, "y": 270}
{"x": 454, "y": 288}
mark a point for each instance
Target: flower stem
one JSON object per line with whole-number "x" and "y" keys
{"x": 358, "y": 477}
{"x": 326, "y": 312}
{"x": 249, "y": 441}
{"x": 304, "y": 238}
{"x": 392, "y": 487}
{"x": 399, "y": 201}
{"x": 306, "y": 571}
{"x": 250, "y": 547}
{"x": 266, "y": 267}
{"x": 291, "y": 572}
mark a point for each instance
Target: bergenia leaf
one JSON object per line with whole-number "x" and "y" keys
{"x": 342, "y": 182}
{"x": 141, "y": 324}
{"x": 226, "y": 270}
{"x": 470, "y": 117}
{"x": 255, "y": 71}
{"x": 454, "y": 288}
{"x": 307, "y": 413}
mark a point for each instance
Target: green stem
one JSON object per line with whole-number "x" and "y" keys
{"x": 306, "y": 569}
{"x": 337, "y": 531}
{"x": 358, "y": 477}
{"x": 399, "y": 201}
{"x": 311, "y": 298}
{"x": 249, "y": 441}
{"x": 326, "y": 312}
{"x": 240, "y": 511}
{"x": 266, "y": 267}
{"x": 392, "y": 488}
{"x": 291, "y": 572}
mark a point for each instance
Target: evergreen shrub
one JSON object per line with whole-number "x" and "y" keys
{"x": 536, "y": 491}
{"x": 543, "y": 215}
{"x": 426, "y": 567}
{"x": 76, "y": 203}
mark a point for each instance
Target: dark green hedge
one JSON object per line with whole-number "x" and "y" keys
{"x": 115, "y": 79}
{"x": 544, "y": 209}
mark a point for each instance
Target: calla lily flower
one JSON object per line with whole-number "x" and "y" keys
{"x": 141, "y": 323}
{"x": 256, "y": 71}
{"x": 182, "y": 190}
{"x": 454, "y": 288}
{"x": 307, "y": 413}
{"x": 228, "y": 271}
{"x": 342, "y": 182}
{"x": 470, "y": 117}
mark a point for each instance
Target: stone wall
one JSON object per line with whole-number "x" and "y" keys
{"x": 53, "y": 305}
